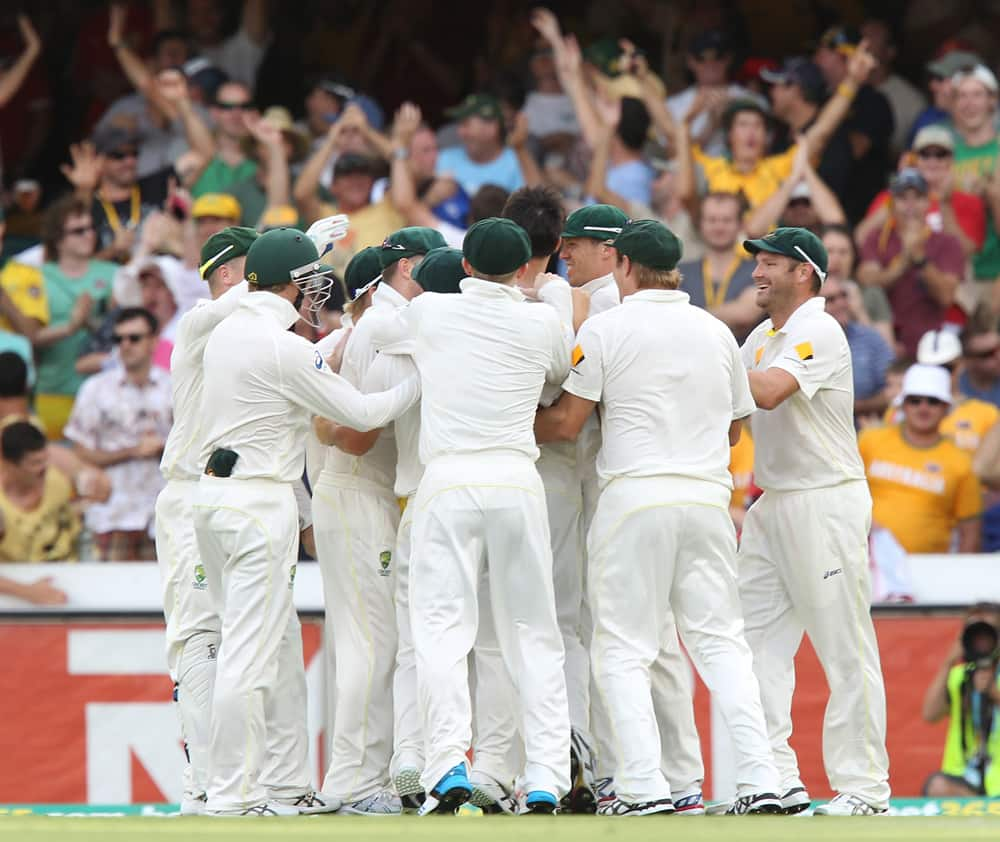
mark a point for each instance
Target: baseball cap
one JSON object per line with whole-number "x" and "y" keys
{"x": 485, "y": 106}
{"x": 938, "y": 347}
{"x": 351, "y": 164}
{"x": 946, "y": 66}
{"x": 797, "y": 243}
{"x": 981, "y": 73}
{"x": 278, "y": 216}
{"x": 408, "y": 242}
{"x": 650, "y": 243}
{"x": 800, "y": 71}
{"x": 604, "y": 55}
{"x": 221, "y": 205}
{"x": 363, "y": 270}
{"x": 113, "y": 138}
{"x": 223, "y": 246}
{"x": 496, "y": 246}
{"x": 738, "y": 106}
{"x": 927, "y": 381}
{"x": 908, "y": 178}
{"x": 599, "y": 222}
{"x": 441, "y": 270}
{"x": 710, "y": 44}
{"x": 841, "y": 39}
{"x": 933, "y": 136}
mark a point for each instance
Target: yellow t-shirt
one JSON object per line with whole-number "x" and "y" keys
{"x": 46, "y": 533}
{"x": 741, "y": 467}
{"x": 919, "y": 494}
{"x": 26, "y": 289}
{"x": 757, "y": 185}
{"x": 967, "y": 422}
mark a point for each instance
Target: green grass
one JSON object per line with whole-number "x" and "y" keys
{"x": 499, "y": 829}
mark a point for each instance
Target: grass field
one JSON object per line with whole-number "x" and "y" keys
{"x": 499, "y": 829}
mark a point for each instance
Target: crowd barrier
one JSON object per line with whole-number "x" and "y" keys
{"x": 86, "y": 716}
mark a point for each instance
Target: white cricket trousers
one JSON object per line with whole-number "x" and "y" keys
{"x": 247, "y": 533}
{"x": 803, "y": 565}
{"x": 355, "y": 522}
{"x": 408, "y": 734}
{"x": 658, "y": 543}
{"x": 475, "y": 512}
{"x": 193, "y": 624}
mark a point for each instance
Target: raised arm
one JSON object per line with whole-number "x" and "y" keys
{"x": 171, "y": 87}
{"x": 305, "y": 192}
{"x": 278, "y": 183}
{"x": 402, "y": 187}
{"x": 765, "y": 216}
{"x": 13, "y": 78}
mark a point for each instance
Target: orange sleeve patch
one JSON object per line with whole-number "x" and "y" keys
{"x": 577, "y": 356}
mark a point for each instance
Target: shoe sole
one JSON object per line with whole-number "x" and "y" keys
{"x": 407, "y": 782}
{"x": 795, "y": 809}
{"x": 540, "y": 808}
{"x": 765, "y": 810}
{"x": 450, "y": 801}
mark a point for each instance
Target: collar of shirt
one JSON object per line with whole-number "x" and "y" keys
{"x": 274, "y": 305}
{"x": 659, "y": 296}
{"x": 386, "y": 296}
{"x": 154, "y": 378}
{"x": 814, "y": 305}
{"x": 491, "y": 289}
{"x": 598, "y": 283}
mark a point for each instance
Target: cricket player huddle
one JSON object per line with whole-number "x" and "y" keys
{"x": 520, "y": 495}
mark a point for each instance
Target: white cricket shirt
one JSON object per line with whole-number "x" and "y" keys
{"x": 394, "y": 365}
{"x": 182, "y": 452}
{"x": 670, "y": 382}
{"x": 483, "y": 357}
{"x": 808, "y": 441}
{"x": 263, "y": 384}
{"x": 604, "y": 293}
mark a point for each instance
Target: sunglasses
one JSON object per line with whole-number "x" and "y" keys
{"x": 835, "y": 297}
{"x": 918, "y": 400}
{"x": 79, "y": 230}
{"x": 234, "y": 106}
{"x": 122, "y": 154}
{"x": 935, "y": 152}
{"x": 982, "y": 355}
{"x": 118, "y": 338}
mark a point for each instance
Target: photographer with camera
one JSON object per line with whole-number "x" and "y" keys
{"x": 967, "y": 688}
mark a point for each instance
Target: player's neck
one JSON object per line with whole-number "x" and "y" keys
{"x": 536, "y": 266}
{"x": 780, "y": 314}
{"x": 921, "y": 439}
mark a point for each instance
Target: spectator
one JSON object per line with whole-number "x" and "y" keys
{"x": 869, "y": 305}
{"x": 722, "y": 281}
{"x": 324, "y": 104}
{"x": 482, "y": 158}
{"x": 869, "y": 124}
{"x": 22, "y": 302}
{"x": 904, "y": 99}
{"x": 628, "y": 176}
{"x": 939, "y": 75}
{"x": 870, "y": 353}
{"x": 158, "y": 280}
{"x": 77, "y": 288}
{"x": 967, "y": 691}
{"x": 980, "y": 377}
{"x": 953, "y": 211}
{"x": 547, "y": 108}
{"x": 230, "y": 165}
{"x": 15, "y": 74}
{"x": 920, "y": 269}
{"x": 212, "y": 212}
{"x": 709, "y": 57}
{"x": 923, "y": 486}
{"x": 120, "y": 422}
{"x": 37, "y": 518}
{"x": 974, "y": 114}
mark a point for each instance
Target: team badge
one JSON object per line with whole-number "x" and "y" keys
{"x": 577, "y": 356}
{"x": 384, "y": 560}
{"x": 318, "y": 361}
{"x": 804, "y": 350}
{"x": 200, "y": 580}
{"x": 932, "y": 468}
{"x": 252, "y": 277}
{"x": 758, "y": 355}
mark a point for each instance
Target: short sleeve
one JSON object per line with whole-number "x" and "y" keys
{"x": 968, "y": 497}
{"x": 743, "y": 402}
{"x": 811, "y": 356}
{"x": 586, "y": 376}
{"x": 26, "y": 288}
{"x": 85, "y": 419}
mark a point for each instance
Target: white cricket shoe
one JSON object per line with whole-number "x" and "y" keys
{"x": 408, "y": 788}
{"x": 616, "y": 807}
{"x": 311, "y": 803}
{"x": 490, "y": 795}
{"x": 795, "y": 800}
{"x": 382, "y": 803}
{"x": 192, "y": 805}
{"x": 846, "y": 804}
{"x": 269, "y": 809}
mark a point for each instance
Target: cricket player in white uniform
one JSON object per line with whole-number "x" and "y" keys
{"x": 662, "y": 537}
{"x": 590, "y": 262}
{"x": 262, "y": 385}
{"x": 803, "y": 556}
{"x": 356, "y": 515}
{"x": 483, "y": 357}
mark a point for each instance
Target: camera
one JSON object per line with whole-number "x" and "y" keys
{"x": 980, "y": 641}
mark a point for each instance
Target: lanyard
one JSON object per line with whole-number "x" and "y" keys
{"x": 112, "y": 214}
{"x": 715, "y": 296}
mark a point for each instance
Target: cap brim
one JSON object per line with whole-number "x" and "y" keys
{"x": 754, "y": 246}
{"x": 774, "y": 77}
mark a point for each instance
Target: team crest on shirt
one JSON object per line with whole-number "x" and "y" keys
{"x": 932, "y": 468}
{"x": 804, "y": 350}
{"x": 318, "y": 361}
{"x": 200, "y": 580}
{"x": 384, "y": 560}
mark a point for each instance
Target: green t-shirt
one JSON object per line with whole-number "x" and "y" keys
{"x": 219, "y": 176}
{"x": 252, "y": 199}
{"x": 972, "y": 163}
{"x": 56, "y": 364}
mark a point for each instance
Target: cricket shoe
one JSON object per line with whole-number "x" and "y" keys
{"x": 450, "y": 793}
{"x": 691, "y": 804}
{"x": 382, "y": 803}
{"x": 192, "y": 805}
{"x": 538, "y": 802}
{"x": 311, "y": 803}
{"x": 604, "y": 789}
{"x": 758, "y": 804}
{"x": 408, "y": 788}
{"x": 489, "y": 795}
{"x": 617, "y": 807}
{"x": 267, "y": 810}
{"x": 846, "y": 804}
{"x": 581, "y": 797}
{"x": 795, "y": 800}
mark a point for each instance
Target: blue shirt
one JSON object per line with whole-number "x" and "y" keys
{"x": 870, "y": 359}
{"x": 991, "y": 395}
{"x": 632, "y": 180}
{"x": 504, "y": 170}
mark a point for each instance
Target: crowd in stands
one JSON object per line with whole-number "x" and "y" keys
{"x": 897, "y": 175}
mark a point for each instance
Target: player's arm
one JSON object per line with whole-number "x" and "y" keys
{"x": 772, "y": 387}
{"x": 344, "y": 438}
{"x": 735, "y": 431}
{"x": 563, "y": 420}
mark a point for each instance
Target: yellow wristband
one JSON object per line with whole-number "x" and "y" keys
{"x": 847, "y": 89}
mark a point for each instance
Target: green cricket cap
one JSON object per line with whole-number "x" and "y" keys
{"x": 409, "y": 242}
{"x": 599, "y": 222}
{"x": 649, "y": 243}
{"x": 496, "y": 246}
{"x": 797, "y": 243}
{"x": 486, "y": 106}
{"x": 363, "y": 270}
{"x": 223, "y": 246}
{"x": 605, "y": 55}
{"x": 441, "y": 270}
{"x": 279, "y": 256}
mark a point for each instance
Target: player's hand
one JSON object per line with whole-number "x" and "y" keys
{"x": 327, "y": 231}
{"x": 543, "y": 279}
{"x": 43, "y": 592}
{"x": 336, "y": 358}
